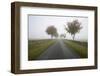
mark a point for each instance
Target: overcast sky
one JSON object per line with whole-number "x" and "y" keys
{"x": 38, "y": 24}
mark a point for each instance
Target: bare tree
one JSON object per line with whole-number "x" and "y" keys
{"x": 73, "y": 27}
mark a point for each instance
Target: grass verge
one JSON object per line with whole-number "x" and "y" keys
{"x": 37, "y": 47}
{"x": 80, "y": 49}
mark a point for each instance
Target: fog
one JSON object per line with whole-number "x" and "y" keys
{"x": 37, "y": 25}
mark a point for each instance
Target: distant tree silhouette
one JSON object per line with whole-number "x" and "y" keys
{"x": 51, "y": 30}
{"x": 73, "y": 27}
{"x": 56, "y": 35}
{"x": 63, "y": 35}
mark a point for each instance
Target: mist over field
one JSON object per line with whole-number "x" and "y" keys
{"x": 57, "y": 37}
{"x": 38, "y": 25}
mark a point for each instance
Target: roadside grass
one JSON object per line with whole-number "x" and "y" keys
{"x": 37, "y": 47}
{"x": 80, "y": 43}
{"x": 78, "y": 47}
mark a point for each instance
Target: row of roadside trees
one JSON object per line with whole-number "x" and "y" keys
{"x": 70, "y": 27}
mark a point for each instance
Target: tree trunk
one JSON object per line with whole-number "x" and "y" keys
{"x": 73, "y": 37}
{"x": 51, "y": 36}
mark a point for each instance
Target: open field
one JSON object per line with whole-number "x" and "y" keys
{"x": 80, "y": 42}
{"x": 79, "y": 47}
{"x": 56, "y": 49}
{"x": 36, "y": 47}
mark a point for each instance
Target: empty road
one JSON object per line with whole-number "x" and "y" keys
{"x": 58, "y": 51}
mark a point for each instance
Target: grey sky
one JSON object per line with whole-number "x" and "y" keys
{"x": 38, "y": 24}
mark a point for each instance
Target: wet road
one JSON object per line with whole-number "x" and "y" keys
{"x": 58, "y": 51}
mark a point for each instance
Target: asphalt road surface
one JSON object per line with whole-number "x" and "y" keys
{"x": 58, "y": 51}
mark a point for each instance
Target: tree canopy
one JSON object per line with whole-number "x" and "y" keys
{"x": 51, "y": 30}
{"x": 73, "y": 27}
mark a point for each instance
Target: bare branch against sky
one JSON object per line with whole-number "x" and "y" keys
{"x": 38, "y": 24}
